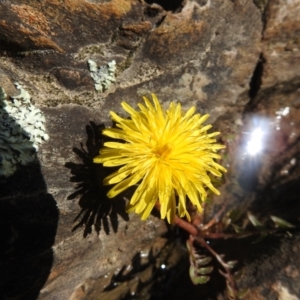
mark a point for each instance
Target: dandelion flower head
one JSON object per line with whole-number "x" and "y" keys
{"x": 167, "y": 154}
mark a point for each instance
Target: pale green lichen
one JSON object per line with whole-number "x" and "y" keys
{"x": 103, "y": 76}
{"x": 21, "y": 131}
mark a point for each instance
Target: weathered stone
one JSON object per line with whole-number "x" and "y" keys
{"x": 195, "y": 40}
{"x": 62, "y": 238}
{"x": 281, "y": 42}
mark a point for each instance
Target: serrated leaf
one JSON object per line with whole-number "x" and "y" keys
{"x": 197, "y": 279}
{"x": 281, "y": 223}
{"x": 231, "y": 264}
{"x": 192, "y": 272}
{"x": 200, "y": 279}
{"x": 203, "y": 261}
{"x": 204, "y": 271}
{"x": 254, "y": 221}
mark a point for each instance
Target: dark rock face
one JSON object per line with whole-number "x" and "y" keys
{"x": 62, "y": 237}
{"x": 29, "y": 218}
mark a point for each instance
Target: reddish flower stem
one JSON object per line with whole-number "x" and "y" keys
{"x": 199, "y": 234}
{"x": 191, "y": 229}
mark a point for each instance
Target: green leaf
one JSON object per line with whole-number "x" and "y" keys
{"x": 200, "y": 279}
{"x": 192, "y": 272}
{"x": 281, "y": 223}
{"x": 204, "y": 271}
{"x": 232, "y": 263}
{"x": 203, "y": 261}
{"x": 254, "y": 221}
{"x": 197, "y": 279}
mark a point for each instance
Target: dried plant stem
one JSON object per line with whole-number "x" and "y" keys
{"x": 214, "y": 220}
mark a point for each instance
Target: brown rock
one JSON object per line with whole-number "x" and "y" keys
{"x": 62, "y": 237}
{"x": 281, "y": 43}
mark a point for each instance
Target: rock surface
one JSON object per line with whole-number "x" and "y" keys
{"x": 62, "y": 238}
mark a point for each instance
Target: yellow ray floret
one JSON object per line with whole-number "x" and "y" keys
{"x": 167, "y": 153}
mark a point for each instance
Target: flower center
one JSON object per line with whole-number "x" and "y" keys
{"x": 163, "y": 152}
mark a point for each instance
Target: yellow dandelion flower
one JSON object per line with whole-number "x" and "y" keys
{"x": 167, "y": 153}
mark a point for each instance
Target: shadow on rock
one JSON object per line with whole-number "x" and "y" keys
{"x": 28, "y": 220}
{"x": 162, "y": 273}
{"x": 96, "y": 208}
{"x": 147, "y": 273}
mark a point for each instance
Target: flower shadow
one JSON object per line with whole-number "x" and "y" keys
{"x": 96, "y": 208}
